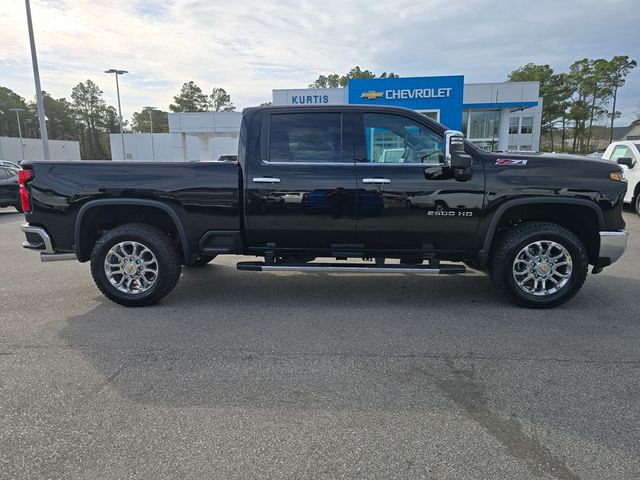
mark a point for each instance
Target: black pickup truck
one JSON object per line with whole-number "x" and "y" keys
{"x": 371, "y": 183}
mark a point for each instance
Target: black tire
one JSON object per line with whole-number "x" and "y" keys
{"x": 161, "y": 246}
{"x": 638, "y": 204}
{"x": 509, "y": 245}
{"x": 201, "y": 260}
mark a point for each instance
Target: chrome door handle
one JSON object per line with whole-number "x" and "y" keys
{"x": 266, "y": 180}
{"x": 376, "y": 181}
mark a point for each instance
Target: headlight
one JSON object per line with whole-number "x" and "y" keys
{"x": 618, "y": 176}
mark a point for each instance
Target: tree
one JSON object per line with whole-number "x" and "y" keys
{"x": 110, "y": 120}
{"x": 190, "y": 99}
{"x": 335, "y": 81}
{"x": 554, "y": 91}
{"x": 619, "y": 68}
{"x": 61, "y": 121}
{"x": 220, "y": 101}
{"x": 8, "y": 122}
{"x": 160, "y": 121}
{"x": 90, "y": 110}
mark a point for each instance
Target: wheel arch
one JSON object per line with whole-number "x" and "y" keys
{"x": 576, "y": 214}
{"x": 85, "y": 231}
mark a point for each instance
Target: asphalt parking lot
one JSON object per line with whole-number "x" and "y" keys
{"x": 262, "y": 375}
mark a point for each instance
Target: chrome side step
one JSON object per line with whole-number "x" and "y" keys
{"x": 350, "y": 268}
{"x": 57, "y": 257}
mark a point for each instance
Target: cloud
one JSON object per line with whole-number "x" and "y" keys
{"x": 250, "y": 47}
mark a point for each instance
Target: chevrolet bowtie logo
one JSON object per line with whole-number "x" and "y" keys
{"x": 371, "y": 95}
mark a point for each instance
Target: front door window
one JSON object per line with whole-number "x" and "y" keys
{"x": 397, "y": 139}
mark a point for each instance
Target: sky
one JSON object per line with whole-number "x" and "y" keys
{"x": 251, "y": 47}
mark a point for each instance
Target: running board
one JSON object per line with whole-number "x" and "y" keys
{"x": 349, "y": 268}
{"x": 57, "y": 257}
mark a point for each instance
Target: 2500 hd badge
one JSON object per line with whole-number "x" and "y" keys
{"x": 450, "y": 213}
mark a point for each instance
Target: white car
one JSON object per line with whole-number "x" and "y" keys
{"x": 627, "y": 154}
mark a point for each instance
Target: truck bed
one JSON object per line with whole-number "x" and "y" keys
{"x": 204, "y": 195}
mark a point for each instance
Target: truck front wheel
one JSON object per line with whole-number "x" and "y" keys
{"x": 135, "y": 265}
{"x": 539, "y": 264}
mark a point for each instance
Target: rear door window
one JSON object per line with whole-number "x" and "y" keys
{"x": 307, "y": 138}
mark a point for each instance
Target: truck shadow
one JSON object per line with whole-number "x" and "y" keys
{"x": 300, "y": 342}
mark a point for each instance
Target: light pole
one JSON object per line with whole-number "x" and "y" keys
{"x": 36, "y": 78}
{"x": 153, "y": 150}
{"x": 18, "y": 110}
{"x": 117, "y": 72}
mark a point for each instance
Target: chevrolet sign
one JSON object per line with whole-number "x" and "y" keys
{"x": 406, "y": 93}
{"x": 443, "y": 93}
{"x": 371, "y": 95}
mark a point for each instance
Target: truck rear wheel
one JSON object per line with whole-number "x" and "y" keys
{"x": 135, "y": 265}
{"x": 539, "y": 264}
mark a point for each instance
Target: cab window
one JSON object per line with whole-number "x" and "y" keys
{"x": 396, "y": 139}
{"x": 306, "y": 137}
{"x": 621, "y": 151}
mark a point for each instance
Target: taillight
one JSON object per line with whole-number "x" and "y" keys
{"x": 23, "y": 177}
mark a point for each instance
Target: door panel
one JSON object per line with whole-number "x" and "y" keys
{"x": 419, "y": 206}
{"x": 301, "y": 193}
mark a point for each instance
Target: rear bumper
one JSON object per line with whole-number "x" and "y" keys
{"x": 612, "y": 246}
{"x": 38, "y": 239}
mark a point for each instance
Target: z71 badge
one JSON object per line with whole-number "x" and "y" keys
{"x": 510, "y": 162}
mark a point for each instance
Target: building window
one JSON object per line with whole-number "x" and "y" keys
{"x": 488, "y": 145}
{"x": 514, "y": 123}
{"x": 432, "y": 114}
{"x": 524, "y": 148}
{"x": 526, "y": 125}
{"x": 483, "y": 124}
{"x": 465, "y": 120}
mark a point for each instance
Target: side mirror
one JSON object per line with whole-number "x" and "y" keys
{"x": 455, "y": 156}
{"x": 626, "y": 161}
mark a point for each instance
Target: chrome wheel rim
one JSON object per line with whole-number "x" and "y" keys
{"x": 131, "y": 267}
{"x": 542, "y": 268}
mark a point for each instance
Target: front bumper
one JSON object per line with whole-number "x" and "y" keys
{"x": 612, "y": 246}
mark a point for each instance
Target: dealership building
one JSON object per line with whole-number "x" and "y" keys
{"x": 495, "y": 116}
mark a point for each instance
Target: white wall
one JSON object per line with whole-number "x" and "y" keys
{"x": 168, "y": 147}
{"x": 215, "y": 133}
{"x": 501, "y": 92}
{"x": 311, "y": 96}
{"x": 205, "y": 122}
{"x": 58, "y": 149}
{"x": 223, "y": 146}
